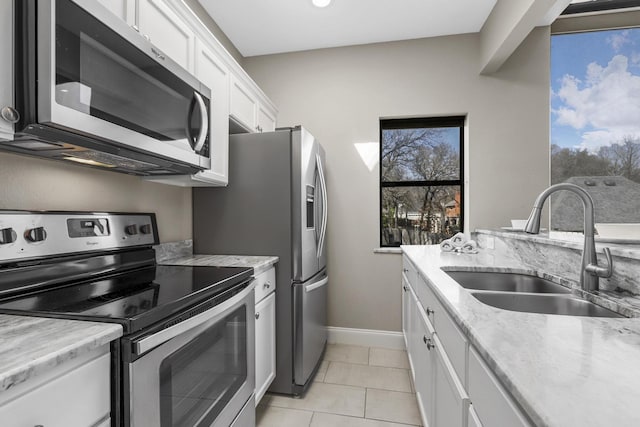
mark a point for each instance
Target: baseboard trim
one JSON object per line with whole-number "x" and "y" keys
{"x": 365, "y": 337}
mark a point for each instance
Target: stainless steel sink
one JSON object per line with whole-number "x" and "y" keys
{"x": 541, "y": 303}
{"x": 505, "y": 282}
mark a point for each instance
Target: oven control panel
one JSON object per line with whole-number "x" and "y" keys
{"x": 27, "y": 235}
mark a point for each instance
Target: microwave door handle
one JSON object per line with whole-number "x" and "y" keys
{"x": 146, "y": 343}
{"x": 198, "y": 142}
{"x": 204, "y": 129}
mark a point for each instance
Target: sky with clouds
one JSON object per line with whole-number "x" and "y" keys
{"x": 595, "y": 88}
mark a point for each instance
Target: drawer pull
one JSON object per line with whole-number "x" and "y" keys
{"x": 429, "y": 311}
{"x": 257, "y": 315}
{"x": 428, "y": 342}
{"x": 405, "y": 288}
{"x": 406, "y": 270}
{"x": 267, "y": 285}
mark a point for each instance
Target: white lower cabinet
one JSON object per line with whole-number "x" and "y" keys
{"x": 76, "y": 393}
{"x": 441, "y": 396}
{"x": 454, "y": 387}
{"x": 450, "y": 400}
{"x": 492, "y": 403}
{"x": 265, "y": 332}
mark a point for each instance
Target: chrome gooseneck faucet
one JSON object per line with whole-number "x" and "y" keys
{"x": 590, "y": 272}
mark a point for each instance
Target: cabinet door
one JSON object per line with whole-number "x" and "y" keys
{"x": 167, "y": 31}
{"x": 265, "y": 344}
{"x": 266, "y": 119}
{"x": 406, "y": 311}
{"x": 242, "y": 105}
{"x": 450, "y": 400}
{"x": 424, "y": 367}
{"x": 211, "y": 71}
{"x": 123, "y": 9}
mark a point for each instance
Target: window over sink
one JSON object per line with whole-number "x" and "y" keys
{"x": 421, "y": 180}
{"x": 595, "y": 126}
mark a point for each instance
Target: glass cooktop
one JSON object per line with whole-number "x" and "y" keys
{"x": 135, "y": 299}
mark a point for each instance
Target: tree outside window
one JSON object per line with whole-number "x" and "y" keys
{"x": 420, "y": 180}
{"x": 595, "y": 125}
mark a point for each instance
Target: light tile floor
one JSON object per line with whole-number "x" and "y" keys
{"x": 354, "y": 387}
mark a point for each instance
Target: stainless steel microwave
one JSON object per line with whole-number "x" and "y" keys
{"x": 90, "y": 89}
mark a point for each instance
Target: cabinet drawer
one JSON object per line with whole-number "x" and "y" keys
{"x": 492, "y": 403}
{"x": 409, "y": 270}
{"x": 452, "y": 338}
{"x": 84, "y": 392}
{"x": 265, "y": 283}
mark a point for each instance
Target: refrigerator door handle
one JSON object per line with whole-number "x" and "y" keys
{"x": 316, "y": 285}
{"x": 323, "y": 191}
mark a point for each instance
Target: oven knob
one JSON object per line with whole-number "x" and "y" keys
{"x": 37, "y": 234}
{"x": 131, "y": 230}
{"x": 7, "y": 235}
{"x": 145, "y": 229}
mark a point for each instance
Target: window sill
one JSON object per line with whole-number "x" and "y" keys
{"x": 387, "y": 251}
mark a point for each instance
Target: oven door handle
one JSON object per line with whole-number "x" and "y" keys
{"x": 142, "y": 345}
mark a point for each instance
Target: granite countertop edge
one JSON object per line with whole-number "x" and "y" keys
{"x": 31, "y": 346}
{"x": 259, "y": 263}
{"x": 493, "y": 332}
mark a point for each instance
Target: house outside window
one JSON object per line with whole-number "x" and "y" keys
{"x": 421, "y": 180}
{"x": 595, "y": 125}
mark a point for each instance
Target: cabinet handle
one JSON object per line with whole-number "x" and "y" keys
{"x": 405, "y": 288}
{"x": 406, "y": 270}
{"x": 428, "y": 342}
{"x": 257, "y": 315}
{"x": 267, "y": 285}
{"x": 429, "y": 311}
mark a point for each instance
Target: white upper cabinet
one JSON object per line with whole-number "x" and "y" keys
{"x": 248, "y": 109}
{"x": 215, "y": 74}
{"x": 266, "y": 119}
{"x": 243, "y": 105}
{"x": 166, "y": 30}
{"x": 157, "y": 22}
{"x": 123, "y": 9}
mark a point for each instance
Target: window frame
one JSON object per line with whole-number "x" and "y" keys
{"x": 421, "y": 123}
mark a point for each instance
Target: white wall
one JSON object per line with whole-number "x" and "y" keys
{"x": 340, "y": 94}
{"x": 36, "y": 184}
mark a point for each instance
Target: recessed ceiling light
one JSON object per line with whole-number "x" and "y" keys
{"x": 321, "y": 3}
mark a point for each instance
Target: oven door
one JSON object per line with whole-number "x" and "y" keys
{"x": 199, "y": 372}
{"x": 99, "y": 77}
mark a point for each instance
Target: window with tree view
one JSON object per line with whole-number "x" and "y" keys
{"x": 595, "y": 125}
{"x": 421, "y": 178}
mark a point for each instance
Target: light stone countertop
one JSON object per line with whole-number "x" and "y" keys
{"x": 258, "y": 263}
{"x": 563, "y": 370}
{"x": 30, "y": 346}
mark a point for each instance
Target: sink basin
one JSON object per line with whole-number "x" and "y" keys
{"x": 546, "y": 304}
{"x": 505, "y": 282}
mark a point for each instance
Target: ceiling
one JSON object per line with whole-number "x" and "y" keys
{"x": 262, "y": 27}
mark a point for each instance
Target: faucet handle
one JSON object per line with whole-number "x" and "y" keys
{"x": 604, "y": 272}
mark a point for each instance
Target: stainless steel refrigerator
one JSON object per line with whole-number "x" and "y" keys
{"x": 276, "y": 204}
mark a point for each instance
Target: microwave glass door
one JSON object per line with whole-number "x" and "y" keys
{"x": 99, "y": 73}
{"x": 199, "y": 379}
